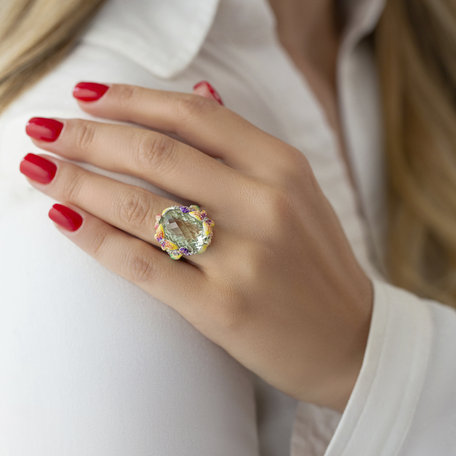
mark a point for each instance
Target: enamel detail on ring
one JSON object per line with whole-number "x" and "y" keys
{"x": 183, "y": 230}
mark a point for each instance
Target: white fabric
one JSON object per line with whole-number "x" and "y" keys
{"x": 92, "y": 365}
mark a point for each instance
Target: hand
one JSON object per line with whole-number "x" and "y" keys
{"x": 279, "y": 287}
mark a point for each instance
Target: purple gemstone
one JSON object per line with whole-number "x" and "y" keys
{"x": 183, "y": 250}
{"x": 184, "y": 209}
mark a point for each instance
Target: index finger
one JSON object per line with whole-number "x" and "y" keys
{"x": 200, "y": 121}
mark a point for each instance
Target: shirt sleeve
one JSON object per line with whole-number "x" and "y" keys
{"x": 404, "y": 399}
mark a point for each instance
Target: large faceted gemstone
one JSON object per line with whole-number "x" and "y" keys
{"x": 184, "y": 230}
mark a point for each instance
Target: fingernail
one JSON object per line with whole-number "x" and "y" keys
{"x": 89, "y": 91}
{"x": 43, "y": 128}
{"x": 65, "y": 217}
{"x": 211, "y": 89}
{"x": 38, "y": 168}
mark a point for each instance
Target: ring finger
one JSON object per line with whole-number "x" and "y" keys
{"x": 127, "y": 207}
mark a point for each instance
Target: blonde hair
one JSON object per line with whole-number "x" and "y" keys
{"x": 34, "y": 36}
{"x": 415, "y": 47}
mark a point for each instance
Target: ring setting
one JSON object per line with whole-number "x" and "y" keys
{"x": 183, "y": 230}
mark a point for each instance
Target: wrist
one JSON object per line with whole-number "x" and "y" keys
{"x": 356, "y": 353}
{"x": 335, "y": 390}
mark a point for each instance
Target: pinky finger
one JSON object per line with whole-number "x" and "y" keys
{"x": 170, "y": 281}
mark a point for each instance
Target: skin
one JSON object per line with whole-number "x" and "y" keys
{"x": 294, "y": 308}
{"x": 310, "y": 31}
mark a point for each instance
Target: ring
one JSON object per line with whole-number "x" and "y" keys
{"x": 183, "y": 230}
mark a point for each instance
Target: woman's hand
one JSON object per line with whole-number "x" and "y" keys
{"x": 279, "y": 287}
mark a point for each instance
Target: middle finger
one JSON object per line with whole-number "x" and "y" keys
{"x": 176, "y": 167}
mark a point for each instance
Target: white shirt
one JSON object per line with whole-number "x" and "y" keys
{"x": 92, "y": 369}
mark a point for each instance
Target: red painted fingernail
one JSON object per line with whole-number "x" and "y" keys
{"x": 211, "y": 89}
{"x": 65, "y": 217}
{"x": 89, "y": 91}
{"x": 43, "y": 128}
{"x": 38, "y": 168}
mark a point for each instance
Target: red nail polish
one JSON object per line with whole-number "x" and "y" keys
{"x": 89, "y": 91}
{"x": 214, "y": 93}
{"x": 38, "y": 168}
{"x": 65, "y": 217}
{"x": 43, "y": 128}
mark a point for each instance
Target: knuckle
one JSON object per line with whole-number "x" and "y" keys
{"x": 99, "y": 243}
{"x": 134, "y": 208}
{"x": 85, "y": 134}
{"x": 275, "y": 211}
{"x": 297, "y": 160}
{"x": 269, "y": 198}
{"x": 138, "y": 267}
{"x": 71, "y": 188}
{"x": 125, "y": 95}
{"x": 277, "y": 201}
{"x": 296, "y": 169}
{"x": 191, "y": 105}
{"x": 156, "y": 152}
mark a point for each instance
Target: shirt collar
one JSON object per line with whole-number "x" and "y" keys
{"x": 162, "y": 35}
{"x": 166, "y": 35}
{"x": 361, "y": 18}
